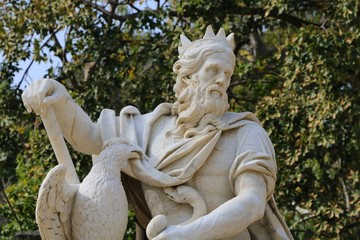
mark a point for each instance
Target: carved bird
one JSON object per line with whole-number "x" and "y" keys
{"x": 95, "y": 209}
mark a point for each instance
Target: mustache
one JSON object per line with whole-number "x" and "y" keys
{"x": 215, "y": 88}
{"x": 207, "y": 91}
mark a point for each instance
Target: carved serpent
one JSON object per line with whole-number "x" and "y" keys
{"x": 179, "y": 194}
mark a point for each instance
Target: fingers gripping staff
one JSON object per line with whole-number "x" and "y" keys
{"x": 42, "y": 94}
{"x": 38, "y": 97}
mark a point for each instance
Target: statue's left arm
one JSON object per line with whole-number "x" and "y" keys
{"x": 230, "y": 218}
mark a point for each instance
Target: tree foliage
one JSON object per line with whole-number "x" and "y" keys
{"x": 297, "y": 68}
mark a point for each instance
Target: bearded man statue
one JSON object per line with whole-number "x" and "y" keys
{"x": 208, "y": 172}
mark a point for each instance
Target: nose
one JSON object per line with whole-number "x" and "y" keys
{"x": 221, "y": 78}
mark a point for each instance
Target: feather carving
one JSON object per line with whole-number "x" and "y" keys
{"x": 95, "y": 209}
{"x": 54, "y": 205}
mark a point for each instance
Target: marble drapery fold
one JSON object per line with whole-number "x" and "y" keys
{"x": 179, "y": 161}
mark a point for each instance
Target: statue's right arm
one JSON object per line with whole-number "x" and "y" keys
{"x": 76, "y": 125}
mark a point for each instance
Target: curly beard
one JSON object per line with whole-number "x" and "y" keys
{"x": 199, "y": 111}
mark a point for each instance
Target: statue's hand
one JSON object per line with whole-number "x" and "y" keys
{"x": 172, "y": 232}
{"x": 42, "y": 93}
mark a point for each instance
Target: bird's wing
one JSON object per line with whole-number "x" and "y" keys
{"x": 54, "y": 205}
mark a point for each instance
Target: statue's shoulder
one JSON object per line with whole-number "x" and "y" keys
{"x": 239, "y": 118}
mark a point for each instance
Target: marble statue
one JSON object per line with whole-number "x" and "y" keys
{"x": 97, "y": 207}
{"x": 200, "y": 171}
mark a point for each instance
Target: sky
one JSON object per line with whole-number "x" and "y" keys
{"x": 36, "y": 71}
{"x": 39, "y": 70}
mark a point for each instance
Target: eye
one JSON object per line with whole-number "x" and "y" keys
{"x": 213, "y": 69}
{"x": 227, "y": 74}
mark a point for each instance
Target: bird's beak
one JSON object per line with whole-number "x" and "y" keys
{"x": 135, "y": 152}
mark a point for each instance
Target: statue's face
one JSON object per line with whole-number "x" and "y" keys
{"x": 215, "y": 73}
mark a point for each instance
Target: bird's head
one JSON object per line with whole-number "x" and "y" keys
{"x": 117, "y": 151}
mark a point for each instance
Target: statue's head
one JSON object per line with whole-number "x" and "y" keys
{"x": 203, "y": 73}
{"x": 192, "y": 55}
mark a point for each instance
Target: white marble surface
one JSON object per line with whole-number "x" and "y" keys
{"x": 206, "y": 173}
{"x": 95, "y": 209}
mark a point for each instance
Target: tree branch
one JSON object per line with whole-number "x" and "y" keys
{"x": 62, "y": 55}
{"x": 296, "y": 21}
{"x": 107, "y": 13}
{"x": 11, "y": 207}
{"x": 25, "y": 74}
{"x": 289, "y": 18}
{"x": 162, "y": 4}
{"x": 346, "y": 194}
{"x": 239, "y": 82}
{"x": 158, "y": 4}
{"x": 32, "y": 61}
{"x": 286, "y": 17}
{"x": 133, "y": 7}
{"x": 259, "y": 48}
{"x": 63, "y": 58}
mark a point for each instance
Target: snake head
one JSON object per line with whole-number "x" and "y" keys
{"x": 177, "y": 194}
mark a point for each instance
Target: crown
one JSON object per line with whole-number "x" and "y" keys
{"x": 209, "y": 36}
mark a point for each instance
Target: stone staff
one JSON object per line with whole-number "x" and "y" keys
{"x": 58, "y": 144}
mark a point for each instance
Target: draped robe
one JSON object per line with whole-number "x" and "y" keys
{"x": 170, "y": 162}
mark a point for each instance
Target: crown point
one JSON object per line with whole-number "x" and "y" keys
{"x": 221, "y": 33}
{"x": 231, "y": 40}
{"x": 209, "y": 37}
{"x": 184, "y": 40}
{"x": 209, "y": 32}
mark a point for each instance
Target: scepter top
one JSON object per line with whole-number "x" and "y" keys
{"x": 209, "y": 37}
